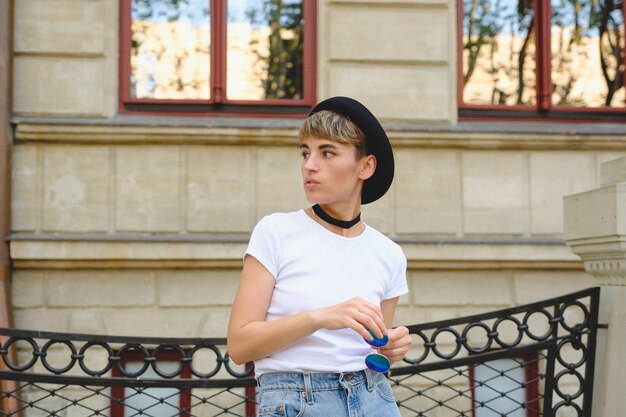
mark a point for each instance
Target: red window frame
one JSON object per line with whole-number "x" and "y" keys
{"x": 531, "y": 372}
{"x": 543, "y": 109}
{"x": 218, "y": 104}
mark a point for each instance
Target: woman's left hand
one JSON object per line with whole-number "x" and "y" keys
{"x": 398, "y": 345}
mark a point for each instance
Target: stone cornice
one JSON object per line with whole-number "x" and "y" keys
{"x": 284, "y": 133}
{"x": 75, "y": 254}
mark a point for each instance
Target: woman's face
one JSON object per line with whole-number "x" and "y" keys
{"x": 330, "y": 171}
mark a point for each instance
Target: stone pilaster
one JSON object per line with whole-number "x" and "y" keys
{"x": 595, "y": 229}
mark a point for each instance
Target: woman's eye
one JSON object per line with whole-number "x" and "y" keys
{"x": 305, "y": 155}
{"x": 327, "y": 154}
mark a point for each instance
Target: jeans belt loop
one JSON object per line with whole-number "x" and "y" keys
{"x": 369, "y": 376}
{"x": 308, "y": 388}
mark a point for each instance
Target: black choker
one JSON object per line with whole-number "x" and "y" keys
{"x": 340, "y": 223}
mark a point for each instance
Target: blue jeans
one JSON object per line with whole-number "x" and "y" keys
{"x": 346, "y": 394}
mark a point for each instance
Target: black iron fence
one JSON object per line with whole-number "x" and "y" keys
{"x": 531, "y": 360}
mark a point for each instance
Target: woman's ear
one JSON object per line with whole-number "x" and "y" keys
{"x": 368, "y": 167}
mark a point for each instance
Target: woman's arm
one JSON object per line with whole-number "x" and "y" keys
{"x": 250, "y": 337}
{"x": 399, "y": 338}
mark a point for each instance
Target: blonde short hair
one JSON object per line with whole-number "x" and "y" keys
{"x": 329, "y": 125}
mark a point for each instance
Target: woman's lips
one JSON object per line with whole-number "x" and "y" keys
{"x": 311, "y": 183}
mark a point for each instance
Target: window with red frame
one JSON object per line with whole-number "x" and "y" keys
{"x": 542, "y": 58}
{"x": 127, "y": 402}
{"x": 216, "y": 56}
{"x": 508, "y": 386}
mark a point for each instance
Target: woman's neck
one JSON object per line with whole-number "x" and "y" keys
{"x": 343, "y": 212}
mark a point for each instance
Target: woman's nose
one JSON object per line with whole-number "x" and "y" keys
{"x": 310, "y": 164}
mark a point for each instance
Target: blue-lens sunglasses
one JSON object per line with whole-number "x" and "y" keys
{"x": 375, "y": 361}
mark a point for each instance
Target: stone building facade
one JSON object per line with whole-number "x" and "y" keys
{"x": 136, "y": 224}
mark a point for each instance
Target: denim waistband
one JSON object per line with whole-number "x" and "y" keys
{"x": 314, "y": 381}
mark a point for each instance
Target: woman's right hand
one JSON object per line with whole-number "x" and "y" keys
{"x": 356, "y": 314}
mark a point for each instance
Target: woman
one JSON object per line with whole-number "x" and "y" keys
{"x": 315, "y": 282}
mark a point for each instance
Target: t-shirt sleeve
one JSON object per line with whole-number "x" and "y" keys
{"x": 264, "y": 245}
{"x": 397, "y": 285}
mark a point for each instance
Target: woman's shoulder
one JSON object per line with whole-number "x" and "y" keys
{"x": 281, "y": 219}
{"x": 380, "y": 240}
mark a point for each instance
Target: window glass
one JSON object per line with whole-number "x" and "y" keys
{"x": 265, "y": 49}
{"x": 149, "y": 398}
{"x": 499, "y": 52}
{"x": 493, "y": 378}
{"x": 169, "y": 54}
{"x": 587, "y": 53}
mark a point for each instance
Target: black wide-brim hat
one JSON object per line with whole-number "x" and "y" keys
{"x": 377, "y": 143}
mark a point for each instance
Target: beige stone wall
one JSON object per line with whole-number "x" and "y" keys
{"x": 131, "y": 228}
{"x": 65, "y": 60}
{"x": 130, "y": 238}
{"x": 196, "y": 303}
{"x": 205, "y": 189}
{"x": 399, "y": 57}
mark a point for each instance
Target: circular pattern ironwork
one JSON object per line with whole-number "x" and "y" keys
{"x": 581, "y": 384}
{"x": 181, "y": 362}
{"x": 520, "y": 331}
{"x": 567, "y": 305}
{"x": 530, "y": 334}
{"x": 469, "y": 327}
{"x": 458, "y": 345}
{"x": 28, "y": 365}
{"x": 426, "y": 349}
{"x": 247, "y": 371}
{"x": 44, "y": 356}
{"x": 218, "y": 361}
{"x": 579, "y": 411}
{"x": 83, "y": 365}
{"x": 561, "y": 360}
{"x": 130, "y": 347}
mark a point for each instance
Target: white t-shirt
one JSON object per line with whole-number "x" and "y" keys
{"x": 315, "y": 268}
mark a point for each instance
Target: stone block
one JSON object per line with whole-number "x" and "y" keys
{"x": 459, "y": 288}
{"x": 537, "y": 286}
{"x": 27, "y": 289}
{"x": 86, "y": 321}
{"x": 554, "y": 175}
{"x": 602, "y": 157}
{"x": 407, "y": 316}
{"x": 100, "y": 288}
{"x": 68, "y": 26}
{"x": 197, "y": 288}
{"x": 25, "y": 189}
{"x": 154, "y": 322}
{"x": 220, "y": 189}
{"x": 495, "y": 196}
{"x": 395, "y": 92}
{"x": 45, "y": 319}
{"x": 442, "y": 313}
{"x": 428, "y": 192}
{"x": 58, "y": 85}
{"x": 411, "y": 34}
{"x": 279, "y": 184}
{"x": 76, "y": 189}
{"x": 148, "y": 189}
{"x": 613, "y": 172}
{"x": 380, "y": 214}
{"x": 215, "y": 323}
{"x": 592, "y": 214}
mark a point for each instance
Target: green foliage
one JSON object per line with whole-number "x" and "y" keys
{"x": 284, "y": 62}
